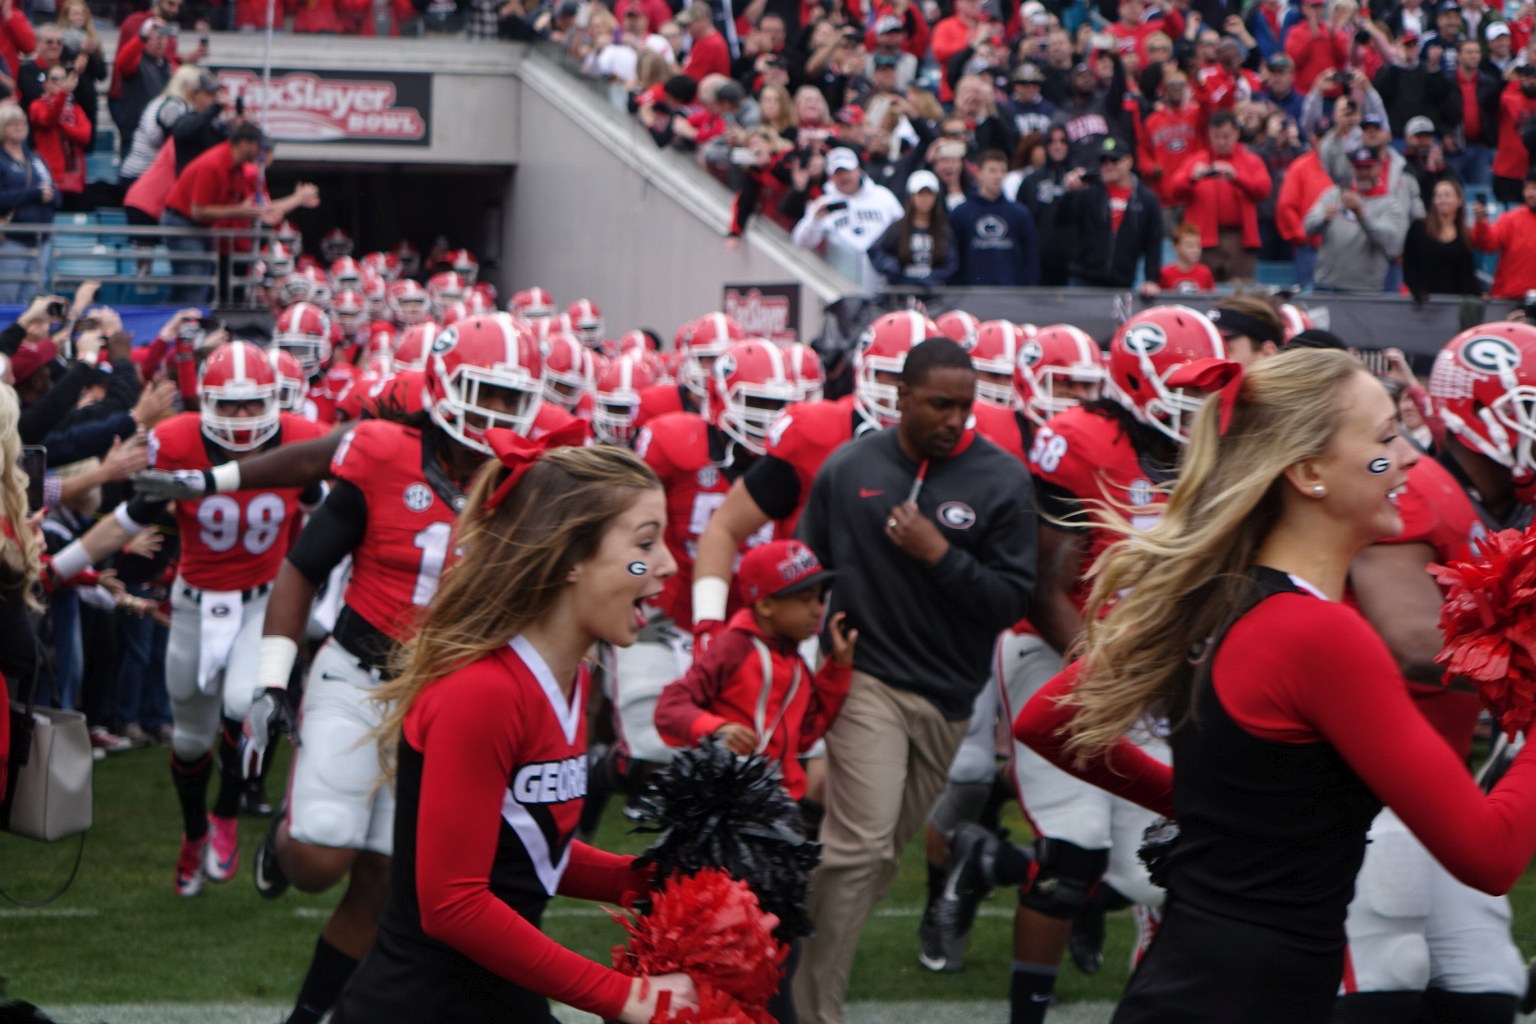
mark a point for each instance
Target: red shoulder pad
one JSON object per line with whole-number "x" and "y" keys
{"x": 368, "y": 447}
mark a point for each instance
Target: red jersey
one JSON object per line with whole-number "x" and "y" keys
{"x": 228, "y": 541}
{"x": 1200, "y": 276}
{"x": 1437, "y": 512}
{"x": 396, "y": 566}
{"x": 660, "y": 399}
{"x": 676, "y": 446}
{"x": 327, "y": 394}
{"x": 1004, "y": 428}
{"x": 492, "y": 778}
{"x": 1167, "y": 140}
{"x": 1510, "y": 158}
{"x": 1082, "y": 456}
{"x": 803, "y": 437}
{"x": 551, "y": 418}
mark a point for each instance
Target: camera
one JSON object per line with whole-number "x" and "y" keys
{"x": 1528, "y": 306}
{"x": 57, "y": 310}
{"x": 34, "y": 463}
{"x": 1362, "y": 37}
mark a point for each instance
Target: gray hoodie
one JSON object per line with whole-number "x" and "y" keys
{"x": 1355, "y": 251}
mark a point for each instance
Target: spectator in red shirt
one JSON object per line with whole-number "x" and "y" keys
{"x": 1221, "y": 187}
{"x": 709, "y": 55}
{"x": 1511, "y": 159}
{"x": 657, "y": 13}
{"x": 1186, "y": 273}
{"x": 60, "y": 133}
{"x": 16, "y": 35}
{"x": 959, "y": 31}
{"x": 1513, "y": 237}
{"x": 1314, "y": 46}
{"x": 215, "y": 189}
{"x": 1170, "y": 136}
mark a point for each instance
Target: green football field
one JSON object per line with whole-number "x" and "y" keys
{"x": 121, "y": 938}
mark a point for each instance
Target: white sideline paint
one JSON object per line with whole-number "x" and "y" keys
{"x": 858, "y": 1013}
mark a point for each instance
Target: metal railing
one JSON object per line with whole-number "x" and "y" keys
{"x": 135, "y": 265}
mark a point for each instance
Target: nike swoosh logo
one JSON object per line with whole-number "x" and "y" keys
{"x": 334, "y": 679}
{"x": 865, "y": 492}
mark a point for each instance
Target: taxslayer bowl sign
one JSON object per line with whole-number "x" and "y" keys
{"x": 337, "y": 106}
{"x": 769, "y": 311}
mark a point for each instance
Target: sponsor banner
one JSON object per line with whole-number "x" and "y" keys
{"x": 392, "y": 108}
{"x": 769, "y": 311}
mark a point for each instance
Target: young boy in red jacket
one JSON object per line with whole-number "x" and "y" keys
{"x": 751, "y": 688}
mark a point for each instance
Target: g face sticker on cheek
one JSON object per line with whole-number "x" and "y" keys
{"x": 638, "y": 568}
{"x": 1377, "y": 466}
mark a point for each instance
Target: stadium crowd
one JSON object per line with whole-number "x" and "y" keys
{"x": 1314, "y": 134}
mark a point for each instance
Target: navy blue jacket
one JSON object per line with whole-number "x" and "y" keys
{"x": 997, "y": 243}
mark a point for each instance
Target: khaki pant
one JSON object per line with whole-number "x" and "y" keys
{"x": 888, "y": 753}
{"x": 1228, "y": 260}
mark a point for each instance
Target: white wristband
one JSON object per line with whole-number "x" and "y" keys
{"x": 226, "y": 478}
{"x": 278, "y": 653}
{"x": 710, "y": 596}
{"x": 71, "y": 561}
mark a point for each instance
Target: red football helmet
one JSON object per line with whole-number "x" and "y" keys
{"x": 349, "y": 310}
{"x": 452, "y": 314}
{"x": 635, "y": 341}
{"x": 407, "y": 258}
{"x": 616, "y": 401}
{"x": 484, "y": 293}
{"x": 461, "y": 262}
{"x": 959, "y": 327}
{"x": 1295, "y": 320}
{"x": 335, "y": 244}
{"x": 749, "y": 386}
{"x": 307, "y": 284}
{"x": 375, "y": 295}
{"x": 235, "y": 377}
{"x": 805, "y": 367}
{"x": 882, "y": 349}
{"x": 279, "y": 260}
{"x": 292, "y": 388}
{"x": 1055, "y": 367}
{"x": 703, "y": 341}
{"x": 346, "y": 273}
{"x": 304, "y": 331}
{"x": 995, "y": 355}
{"x": 408, "y": 303}
{"x": 385, "y": 264}
{"x": 585, "y": 321}
{"x": 1150, "y": 346}
{"x": 1483, "y": 385}
{"x": 444, "y": 289}
{"x": 289, "y": 235}
{"x": 569, "y": 370}
{"x": 484, "y": 372}
{"x": 379, "y": 349}
{"x": 413, "y": 345}
{"x": 533, "y": 304}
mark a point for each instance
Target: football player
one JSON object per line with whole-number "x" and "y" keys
{"x": 1423, "y": 946}
{"x": 776, "y": 487}
{"x": 1119, "y": 452}
{"x": 399, "y": 487}
{"x": 700, "y": 343}
{"x": 1058, "y": 368}
{"x": 697, "y": 458}
{"x": 231, "y": 547}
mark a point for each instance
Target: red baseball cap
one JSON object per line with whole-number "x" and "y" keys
{"x": 777, "y": 569}
{"x": 31, "y": 357}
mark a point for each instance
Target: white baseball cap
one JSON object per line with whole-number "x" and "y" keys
{"x": 842, "y": 158}
{"x": 920, "y": 180}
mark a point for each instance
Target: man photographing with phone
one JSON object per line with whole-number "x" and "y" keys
{"x": 848, "y": 216}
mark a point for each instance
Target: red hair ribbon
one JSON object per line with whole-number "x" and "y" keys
{"x": 519, "y": 454}
{"x": 1220, "y": 377}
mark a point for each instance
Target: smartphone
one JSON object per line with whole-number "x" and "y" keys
{"x": 837, "y": 207}
{"x": 34, "y": 463}
{"x": 742, "y": 156}
{"x": 204, "y": 42}
{"x": 57, "y": 310}
{"x": 210, "y": 324}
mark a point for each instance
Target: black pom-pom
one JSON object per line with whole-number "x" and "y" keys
{"x": 715, "y": 809}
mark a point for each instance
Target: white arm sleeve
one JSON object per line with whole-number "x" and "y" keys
{"x": 710, "y": 596}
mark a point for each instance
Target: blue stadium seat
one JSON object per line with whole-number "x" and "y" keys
{"x": 1276, "y": 273}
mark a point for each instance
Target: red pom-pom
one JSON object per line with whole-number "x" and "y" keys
{"x": 1488, "y": 622}
{"x": 709, "y": 926}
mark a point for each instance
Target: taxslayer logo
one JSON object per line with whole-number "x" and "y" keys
{"x": 303, "y": 107}
{"x": 761, "y": 316}
{"x": 551, "y": 782}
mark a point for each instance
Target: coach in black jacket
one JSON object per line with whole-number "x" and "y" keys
{"x": 1104, "y": 253}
